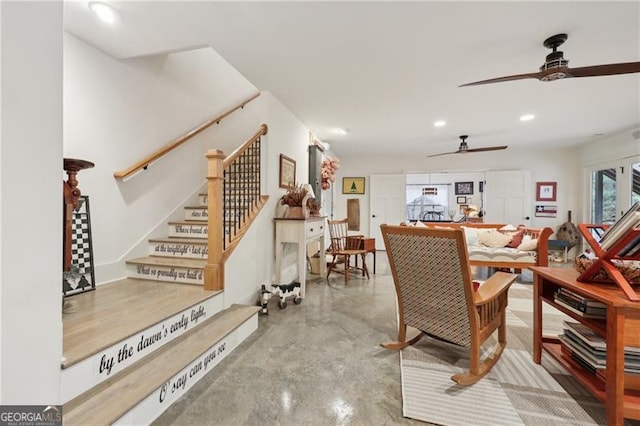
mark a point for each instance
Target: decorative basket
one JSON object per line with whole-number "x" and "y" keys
{"x": 630, "y": 269}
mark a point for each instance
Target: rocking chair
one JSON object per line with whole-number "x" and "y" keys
{"x": 436, "y": 294}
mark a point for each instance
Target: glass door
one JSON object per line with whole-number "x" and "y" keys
{"x": 603, "y": 195}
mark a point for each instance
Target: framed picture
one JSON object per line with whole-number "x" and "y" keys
{"x": 463, "y": 207}
{"x": 353, "y": 185}
{"x": 461, "y": 200}
{"x": 546, "y": 211}
{"x": 546, "y": 191}
{"x": 287, "y": 172}
{"x": 464, "y": 188}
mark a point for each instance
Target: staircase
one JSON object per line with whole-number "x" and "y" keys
{"x": 182, "y": 256}
{"x": 133, "y": 347}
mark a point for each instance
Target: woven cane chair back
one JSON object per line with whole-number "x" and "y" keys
{"x": 433, "y": 280}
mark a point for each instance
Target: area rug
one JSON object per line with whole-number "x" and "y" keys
{"x": 515, "y": 392}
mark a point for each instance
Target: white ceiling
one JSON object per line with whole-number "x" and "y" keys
{"x": 387, "y": 70}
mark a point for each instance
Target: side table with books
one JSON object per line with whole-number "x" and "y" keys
{"x": 601, "y": 351}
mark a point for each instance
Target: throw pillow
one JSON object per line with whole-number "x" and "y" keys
{"x": 516, "y": 239}
{"x": 494, "y": 238}
{"x": 529, "y": 245}
{"x": 471, "y": 235}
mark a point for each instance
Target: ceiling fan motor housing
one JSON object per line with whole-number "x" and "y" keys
{"x": 555, "y": 59}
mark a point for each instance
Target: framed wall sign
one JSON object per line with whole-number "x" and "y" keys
{"x": 464, "y": 188}
{"x": 546, "y": 211}
{"x": 353, "y": 185}
{"x": 461, "y": 200}
{"x": 287, "y": 172}
{"x": 546, "y": 191}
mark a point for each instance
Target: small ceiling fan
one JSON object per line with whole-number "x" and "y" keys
{"x": 555, "y": 67}
{"x": 464, "y": 148}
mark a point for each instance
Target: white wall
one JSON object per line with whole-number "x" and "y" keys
{"x": 119, "y": 111}
{"x": 253, "y": 260}
{"x": 546, "y": 165}
{"x": 614, "y": 147}
{"x": 31, "y": 198}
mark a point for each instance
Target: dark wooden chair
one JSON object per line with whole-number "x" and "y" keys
{"x": 435, "y": 294}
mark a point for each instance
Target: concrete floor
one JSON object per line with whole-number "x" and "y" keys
{"x": 317, "y": 363}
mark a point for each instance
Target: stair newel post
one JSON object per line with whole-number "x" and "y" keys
{"x": 214, "y": 269}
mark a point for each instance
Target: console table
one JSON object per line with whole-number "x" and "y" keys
{"x": 299, "y": 231}
{"x": 621, "y": 328}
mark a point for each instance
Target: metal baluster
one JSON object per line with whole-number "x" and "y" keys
{"x": 225, "y": 194}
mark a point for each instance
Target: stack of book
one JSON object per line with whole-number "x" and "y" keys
{"x": 589, "y": 349}
{"x": 628, "y": 221}
{"x": 586, "y": 308}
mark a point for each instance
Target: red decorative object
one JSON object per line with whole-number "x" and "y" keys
{"x": 609, "y": 264}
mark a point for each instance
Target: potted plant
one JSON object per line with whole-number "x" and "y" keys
{"x": 296, "y": 199}
{"x": 328, "y": 170}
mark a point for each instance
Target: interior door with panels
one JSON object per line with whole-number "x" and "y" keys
{"x": 387, "y": 204}
{"x": 508, "y": 197}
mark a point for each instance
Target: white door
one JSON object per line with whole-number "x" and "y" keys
{"x": 387, "y": 204}
{"x": 507, "y": 196}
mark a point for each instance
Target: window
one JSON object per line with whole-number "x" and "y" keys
{"x": 427, "y": 202}
{"x": 614, "y": 188}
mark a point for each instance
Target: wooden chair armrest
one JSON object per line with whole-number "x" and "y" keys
{"x": 497, "y": 284}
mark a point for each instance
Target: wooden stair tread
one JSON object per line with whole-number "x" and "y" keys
{"x": 183, "y": 240}
{"x": 124, "y": 308}
{"x": 111, "y": 399}
{"x": 169, "y": 261}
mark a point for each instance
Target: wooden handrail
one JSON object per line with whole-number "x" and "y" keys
{"x": 142, "y": 164}
{"x": 237, "y": 152}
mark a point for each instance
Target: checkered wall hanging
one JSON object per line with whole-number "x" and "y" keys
{"x": 81, "y": 277}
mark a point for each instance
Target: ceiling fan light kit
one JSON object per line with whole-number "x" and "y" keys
{"x": 556, "y": 67}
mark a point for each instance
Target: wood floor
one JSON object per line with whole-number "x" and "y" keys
{"x": 96, "y": 320}
{"x": 111, "y": 399}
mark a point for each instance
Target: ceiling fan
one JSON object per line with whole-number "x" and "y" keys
{"x": 464, "y": 148}
{"x": 555, "y": 67}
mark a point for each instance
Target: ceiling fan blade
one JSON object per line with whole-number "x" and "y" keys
{"x": 488, "y": 148}
{"x": 608, "y": 69}
{"x": 444, "y": 153}
{"x": 537, "y": 75}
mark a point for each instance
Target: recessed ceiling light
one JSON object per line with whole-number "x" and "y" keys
{"x": 527, "y": 117}
{"x": 105, "y": 12}
{"x": 340, "y": 132}
{"x": 439, "y": 123}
